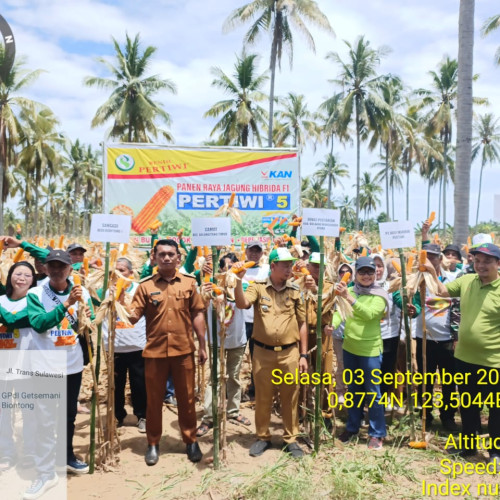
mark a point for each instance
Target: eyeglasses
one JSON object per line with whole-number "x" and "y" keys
{"x": 366, "y": 272}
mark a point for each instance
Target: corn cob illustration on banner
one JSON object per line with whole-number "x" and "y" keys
{"x": 152, "y": 209}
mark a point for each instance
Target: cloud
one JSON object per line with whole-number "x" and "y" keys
{"x": 65, "y": 37}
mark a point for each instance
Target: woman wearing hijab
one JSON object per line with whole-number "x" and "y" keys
{"x": 363, "y": 351}
{"x": 389, "y": 326}
{"x": 15, "y": 335}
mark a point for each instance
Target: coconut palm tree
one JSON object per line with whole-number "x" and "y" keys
{"x": 39, "y": 154}
{"x": 359, "y": 81}
{"x": 295, "y": 120}
{"x": 328, "y": 117}
{"x": 278, "y": 16}
{"x": 395, "y": 181}
{"x": 347, "y": 209}
{"x": 241, "y": 115}
{"x": 131, "y": 105}
{"x": 392, "y": 129}
{"x": 332, "y": 170}
{"x": 315, "y": 195}
{"x": 440, "y": 101}
{"x": 11, "y": 105}
{"x": 369, "y": 191}
{"x": 487, "y": 145}
{"x": 464, "y": 119}
{"x": 491, "y": 24}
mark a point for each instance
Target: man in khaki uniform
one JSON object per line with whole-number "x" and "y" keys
{"x": 173, "y": 308}
{"x": 278, "y": 327}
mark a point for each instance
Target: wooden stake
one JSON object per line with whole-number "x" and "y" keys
{"x": 215, "y": 399}
{"x": 409, "y": 367}
{"x": 319, "y": 345}
{"x": 95, "y": 394}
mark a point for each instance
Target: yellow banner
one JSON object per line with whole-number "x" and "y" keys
{"x": 137, "y": 163}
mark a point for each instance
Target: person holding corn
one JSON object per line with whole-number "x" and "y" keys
{"x": 279, "y": 327}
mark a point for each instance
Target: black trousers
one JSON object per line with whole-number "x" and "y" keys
{"x": 249, "y": 331}
{"x": 73, "y": 383}
{"x": 439, "y": 356}
{"x": 133, "y": 363}
{"x": 389, "y": 357}
{"x": 471, "y": 414}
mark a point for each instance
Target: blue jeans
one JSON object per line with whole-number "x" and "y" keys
{"x": 376, "y": 415}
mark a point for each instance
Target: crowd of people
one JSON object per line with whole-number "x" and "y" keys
{"x": 269, "y": 299}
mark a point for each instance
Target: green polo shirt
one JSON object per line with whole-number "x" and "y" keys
{"x": 362, "y": 335}
{"x": 479, "y": 332}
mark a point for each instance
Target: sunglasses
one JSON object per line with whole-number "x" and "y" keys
{"x": 366, "y": 272}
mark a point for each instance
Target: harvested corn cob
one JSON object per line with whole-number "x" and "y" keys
{"x": 411, "y": 260}
{"x": 112, "y": 257}
{"x": 396, "y": 266}
{"x": 422, "y": 259}
{"x": 231, "y": 200}
{"x": 61, "y": 242}
{"x": 364, "y": 252}
{"x": 2, "y": 243}
{"x": 180, "y": 232}
{"x": 246, "y": 265}
{"x": 345, "y": 279}
{"x": 18, "y": 228}
{"x": 217, "y": 290}
{"x": 152, "y": 209}
{"x": 77, "y": 282}
{"x": 18, "y": 256}
{"x": 206, "y": 251}
{"x": 52, "y": 243}
{"x": 431, "y": 218}
{"x": 120, "y": 285}
{"x": 124, "y": 250}
{"x": 86, "y": 265}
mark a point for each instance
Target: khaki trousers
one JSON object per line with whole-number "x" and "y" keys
{"x": 264, "y": 362}
{"x": 157, "y": 371}
{"x": 234, "y": 358}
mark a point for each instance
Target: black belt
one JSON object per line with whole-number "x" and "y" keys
{"x": 274, "y": 347}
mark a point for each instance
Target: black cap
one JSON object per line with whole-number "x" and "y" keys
{"x": 75, "y": 246}
{"x": 365, "y": 262}
{"x": 59, "y": 256}
{"x": 432, "y": 248}
{"x": 453, "y": 248}
{"x": 487, "y": 249}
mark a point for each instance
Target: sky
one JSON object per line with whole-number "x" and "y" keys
{"x": 65, "y": 38}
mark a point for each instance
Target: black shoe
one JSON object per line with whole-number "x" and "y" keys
{"x": 346, "y": 436}
{"x": 462, "y": 453}
{"x": 294, "y": 450}
{"x": 259, "y": 447}
{"x": 153, "y": 454}
{"x": 450, "y": 425}
{"x": 193, "y": 452}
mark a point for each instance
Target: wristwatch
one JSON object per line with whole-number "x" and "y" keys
{"x": 305, "y": 356}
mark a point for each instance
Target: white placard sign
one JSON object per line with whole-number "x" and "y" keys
{"x": 320, "y": 222}
{"x": 110, "y": 227}
{"x": 211, "y": 231}
{"x": 496, "y": 208}
{"x": 397, "y": 234}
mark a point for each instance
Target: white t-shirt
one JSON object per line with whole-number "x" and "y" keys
{"x": 235, "y": 326}
{"x": 18, "y": 338}
{"x": 60, "y": 337}
{"x": 128, "y": 338}
{"x": 252, "y": 275}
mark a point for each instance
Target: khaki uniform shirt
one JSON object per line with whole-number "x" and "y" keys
{"x": 326, "y": 309}
{"x": 167, "y": 307}
{"x": 278, "y": 315}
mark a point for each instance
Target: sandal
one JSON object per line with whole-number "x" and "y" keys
{"x": 241, "y": 419}
{"x": 203, "y": 429}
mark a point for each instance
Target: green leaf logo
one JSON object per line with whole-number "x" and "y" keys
{"x": 125, "y": 163}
